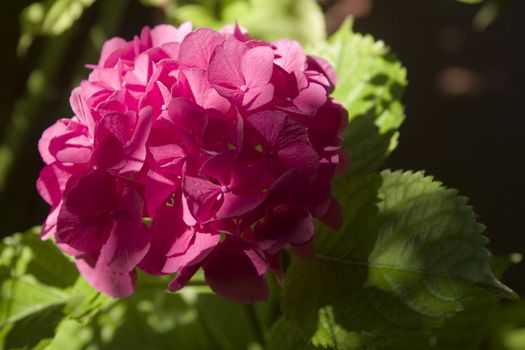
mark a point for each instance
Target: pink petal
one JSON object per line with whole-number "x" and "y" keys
{"x": 136, "y": 149}
{"x": 283, "y": 225}
{"x": 202, "y": 92}
{"x": 310, "y": 99}
{"x": 257, "y": 66}
{"x": 219, "y": 166}
{"x": 85, "y": 221}
{"x": 157, "y": 190}
{"x": 199, "y": 248}
{"x": 170, "y": 235}
{"x": 186, "y": 115}
{"x": 165, "y": 33}
{"x": 197, "y": 47}
{"x": 201, "y": 197}
{"x": 291, "y": 55}
{"x": 225, "y": 64}
{"x": 235, "y": 205}
{"x": 258, "y": 96}
{"x": 105, "y": 280}
{"x": 321, "y": 65}
{"x": 51, "y": 183}
{"x": 235, "y": 271}
{"x": 49, "y": 228}
{"x": 112, "y": 134}
{"x": 182, "y": 278}
{"x": 129, "y": 239}
{"x": 110, "y": 47}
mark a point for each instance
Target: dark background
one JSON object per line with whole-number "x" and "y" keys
{"x": 464, "y": 103}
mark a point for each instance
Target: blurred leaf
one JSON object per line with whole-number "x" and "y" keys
{"x": 301, "y": 20}
{"x": 370, "y": 85}
{"x": 410, "y": 255}
{"x": 85, "y": 302}
{"x": 154, "y": 319}
{"x": 285, "y": 336}
{"x": 156, "y": 3}
{"x": 26, "y": 254}
{"x": 50, "y": 17}
{"x": 199, "y": 15}
{"x": 469, "y": 329}
{"x": 471, "y": 1}
{"x": 29, "y": 312}
{"x": 27, "y": 303}
{"x": 487, "y": 14}
{"x": 40, "y": 287}
{"x": 224, "y": 320}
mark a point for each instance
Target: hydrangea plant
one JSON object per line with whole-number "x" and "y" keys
{"x": 227, "y": 144}
{"x": 203, "y": 162}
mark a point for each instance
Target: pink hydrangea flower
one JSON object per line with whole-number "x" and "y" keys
{"x": 228, "y": 144}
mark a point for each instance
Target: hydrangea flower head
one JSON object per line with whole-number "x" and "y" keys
{"x": 228, "y": 144}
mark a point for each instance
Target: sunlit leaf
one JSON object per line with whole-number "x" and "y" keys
{"x": 50, "y": 17}
{"x": 301, "y": 20}
{"x": 409, "y": 256}
{"x": 370, "y": 85}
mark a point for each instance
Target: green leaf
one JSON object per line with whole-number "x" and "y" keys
{"x": 223, "y": 320}
{"x": 370, "y": 85}
{"x": 51, "y": 17}
{"x": 152, "y": 318}
{"x": 199, "y": 15}
{"x": 27, "y": 305}
{"x": 471, "y": 328}
{"x": 33, "y": 275}
{"x": 285, "y": 336}
{"x": 39, "y": 288}
{"x": 301, "y": 20}
{"x": 84, "y": 302}
{"x": 409, "y": 256}
{"x": 48, "y": 264}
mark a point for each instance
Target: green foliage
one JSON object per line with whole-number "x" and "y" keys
{"x": 370, "y": 85}
{"x": 487, "y": 13}
{"x": 39, "y": 288}
{"x": 45, "y": 305}
{"x": 155, "y": 319}
{"x": 301, "y": 20}
{"x": 50, "y": 17}
{"x": 410, "y": 255}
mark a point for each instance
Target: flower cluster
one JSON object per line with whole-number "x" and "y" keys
{"x": 189, "y": 149}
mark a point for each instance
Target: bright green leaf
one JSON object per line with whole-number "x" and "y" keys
{"x": 200, "y": 16}
{"x": 301, "y": 20}
{"x": 409, "y": 256}
{"x": 84, "y": 302}
{"x": 29, "y": 311}
{"x": 39, "y": 288}
{"x": 370, "y": 85}
{"x": 50, "y": 17}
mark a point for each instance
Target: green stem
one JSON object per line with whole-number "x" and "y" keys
{"x": 256, "y": 325}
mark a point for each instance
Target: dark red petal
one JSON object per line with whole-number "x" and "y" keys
{"x": 235, "y": 271}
